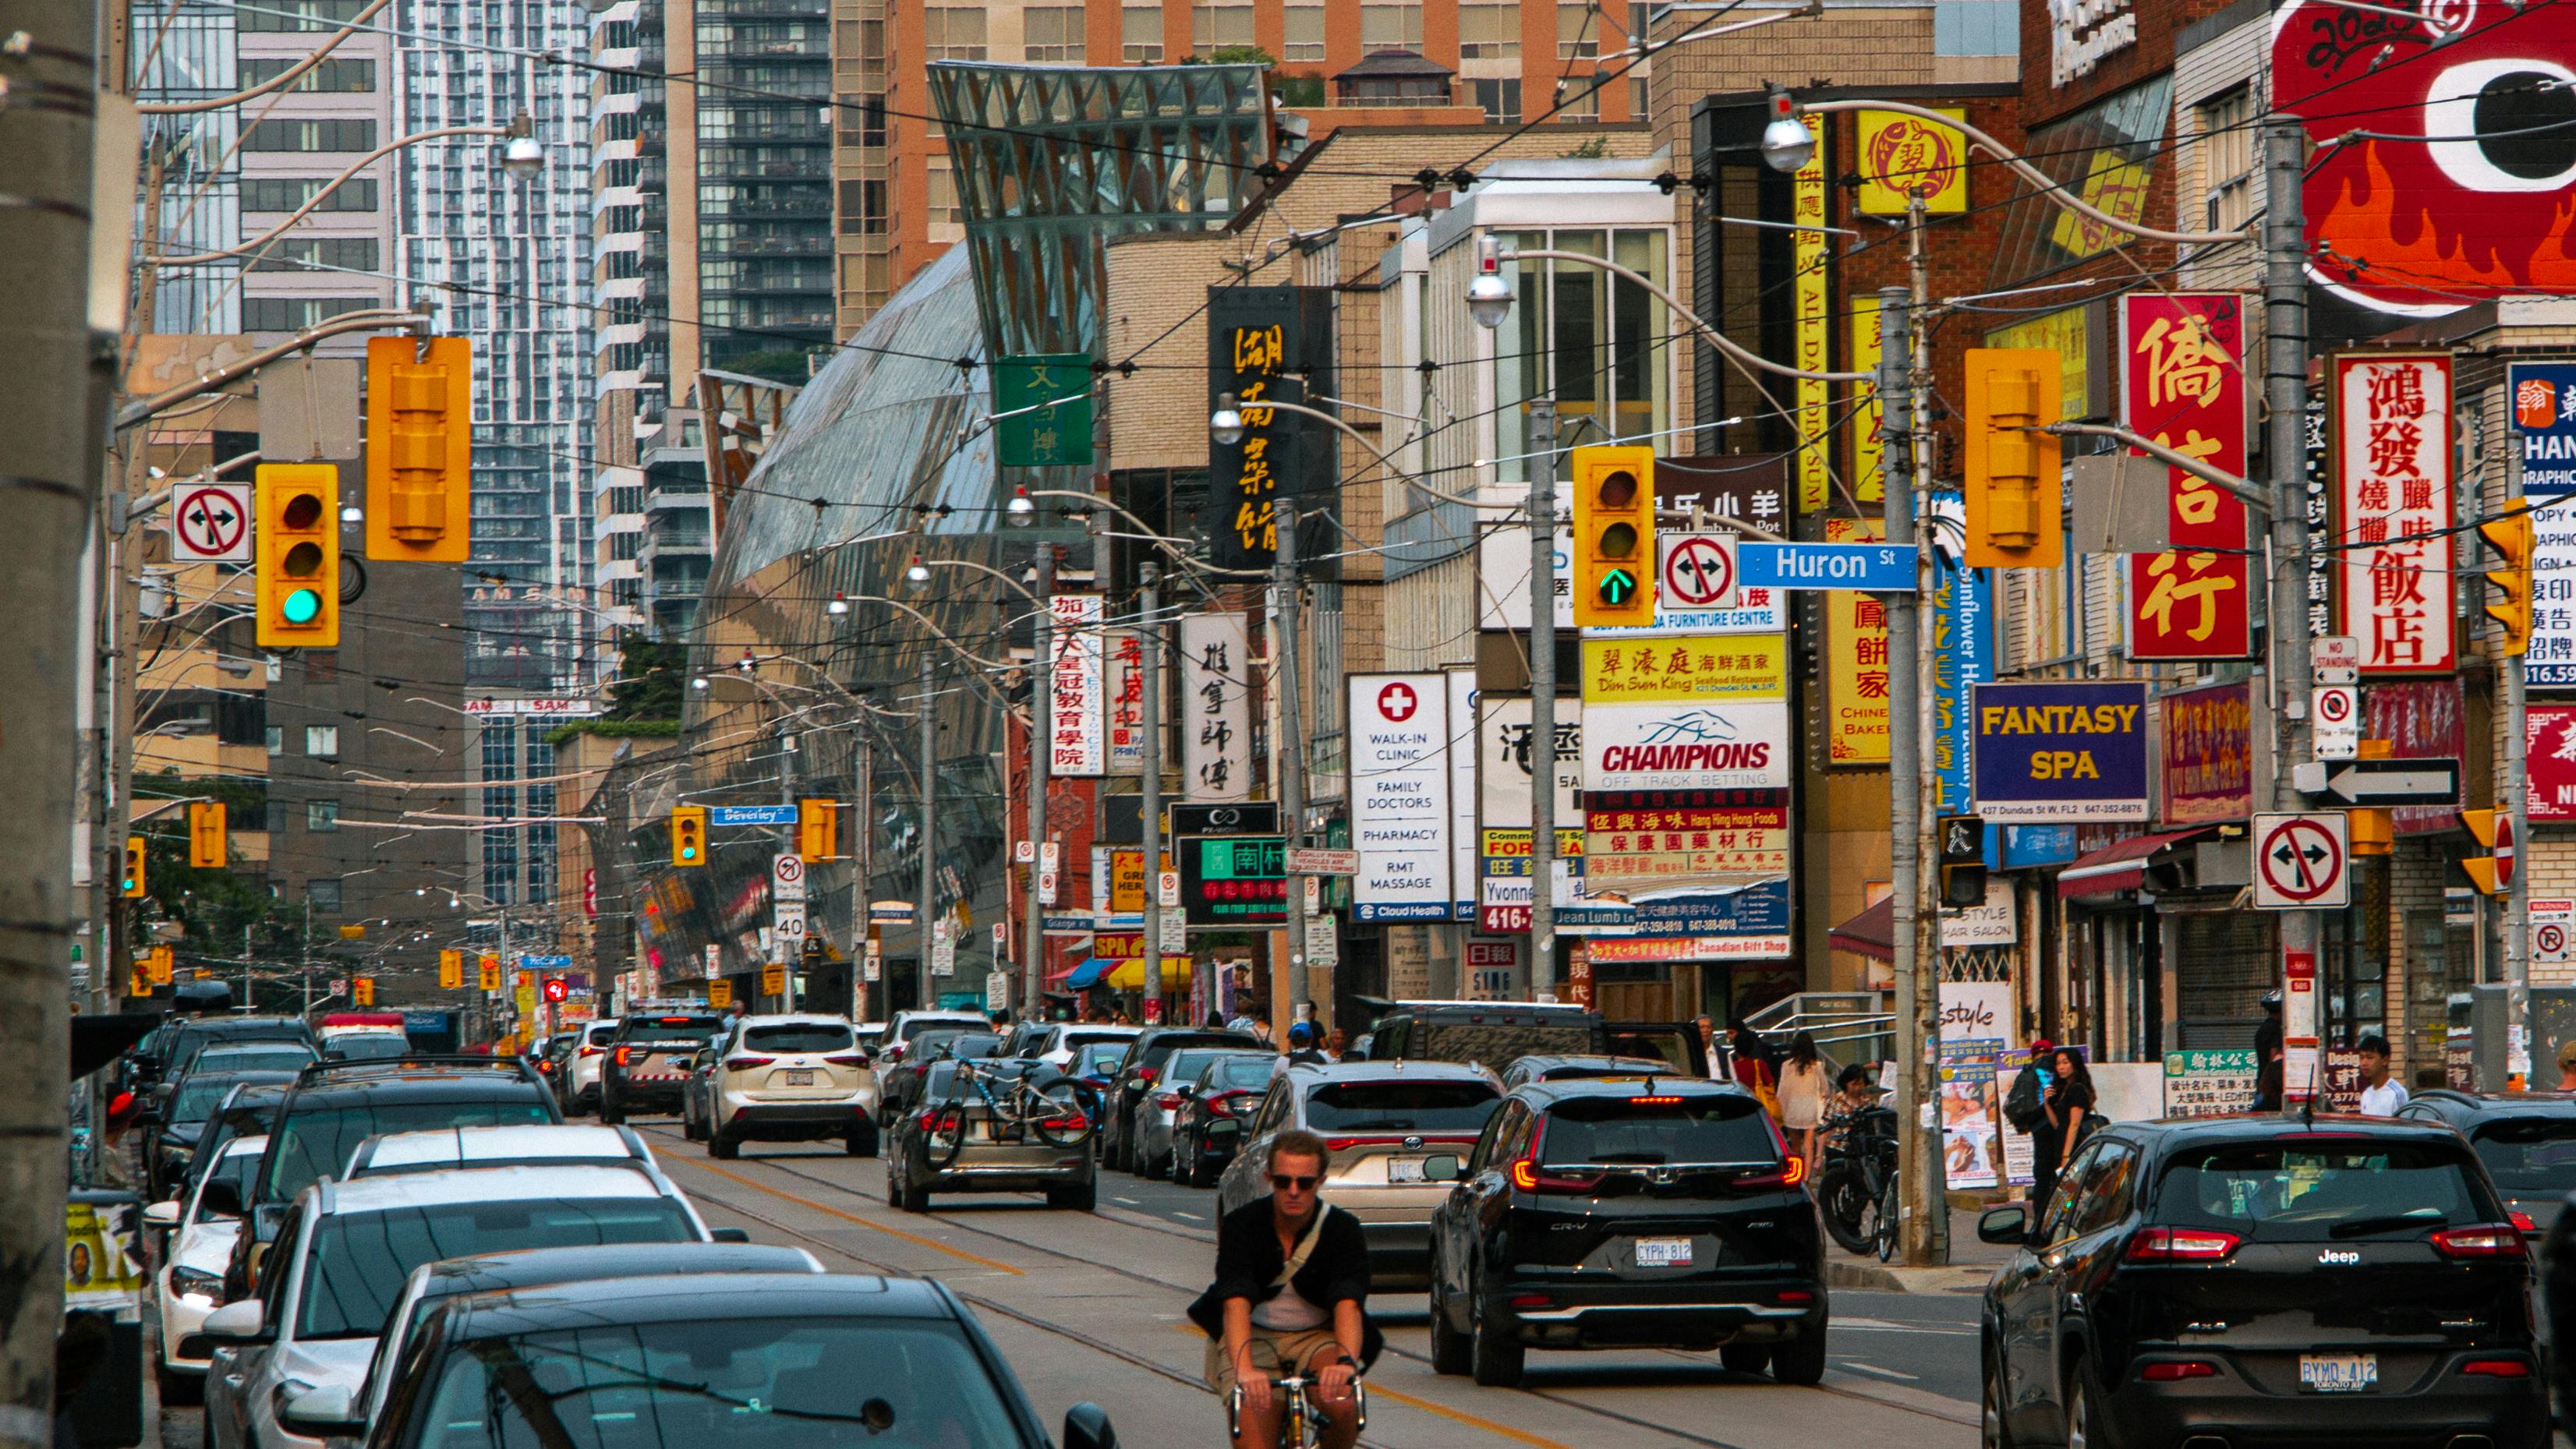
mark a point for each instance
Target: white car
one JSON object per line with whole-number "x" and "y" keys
{"x": 578, "y": 1092}
{"x": 344, "y": 1256}
{"x": 1060, "y": 1042}
{"x": 192, "y": 1266}
{"x": 519, "y": 1145}
{"x": 786, "y": 1078}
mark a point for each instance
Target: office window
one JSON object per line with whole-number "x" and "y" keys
{"x": 2226, "y": 146}
{"x": 319, "y": 254}
{"x": 1140, "y": 35}
{"x": 1053, "y": 34}
{"x": 1501, "y": 100}
{"x": 325, "y": 895}
{"x": 276, "y": 135}
{"x": 321, "y": 816}
{"x": 1305, "y": 37}
{"x": 276, "y": 739}
{"x": 322, "y": 742}
{"x": 297, "y": 15}
{"x": 345, "y": 77}
{"x": 1489, "y": 32}
{"x": 1578, "y": 32}
{"x": 1214, "y": 27}
{"x": 950, "y": 33}
{"x": 286, "y": 193}
{"x": 1391, "y": 27}
{"x": 294, "y": 314}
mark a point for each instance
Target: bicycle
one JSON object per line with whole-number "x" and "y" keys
{"x": 1302, "y": 1428}
{"x": 1857, "y": 1191}
{"x": 1053, "y": 1114}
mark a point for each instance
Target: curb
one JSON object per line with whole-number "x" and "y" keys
{"x": 1880, "y": 1278}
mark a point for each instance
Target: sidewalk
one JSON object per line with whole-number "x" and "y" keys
{"x": 1971, "y": 1264}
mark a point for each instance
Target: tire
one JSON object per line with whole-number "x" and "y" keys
{"x": 2085, "y": 1428}
{"x": 862, "y": 1141}
{"x": 1992, "y": 1430}
{"x": 612, "y": 1113}
{"x": 911, "y": 1199}
{"x": 1074, "y": 1199}
{"x": 689, "y": 1126}
{"x": 1494, "y": 1361}
{"x": 1841, "y": 1194}
{"x": 1799, "y": 1360}
{"x": 722, "y": 1147}
{"x": 1883, "y": 1229}
{"x": 1745, "y": 1358}
{"x": 177, "y": 1390}
{"x": 1451, "y": 1352}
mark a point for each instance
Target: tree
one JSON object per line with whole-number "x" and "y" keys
{"x": 652, "y": 680}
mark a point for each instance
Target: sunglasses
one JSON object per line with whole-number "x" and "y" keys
{"x": 1282, "y": 1182}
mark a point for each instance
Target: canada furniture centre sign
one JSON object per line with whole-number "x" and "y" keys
{"x": 2073, "y": 752}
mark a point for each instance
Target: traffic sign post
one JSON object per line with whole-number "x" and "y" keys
{"x": 2336, "y": 712}
{"x": 1876, "y": 567}
{"x": 1699, "y": 571}
{"x": 2551, "y": 925}
{"x": 210, "y": 523}
{"x": 2302, "y": 862}
{"x": 2381, "y": 783}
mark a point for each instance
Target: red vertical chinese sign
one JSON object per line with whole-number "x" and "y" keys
{"x": 2185, "y": 360}
{"x": 2392, "y": 435}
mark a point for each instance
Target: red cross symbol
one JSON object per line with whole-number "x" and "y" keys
{"x": 1396, "y": 702}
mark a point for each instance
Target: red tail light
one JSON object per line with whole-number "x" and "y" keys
{"x": 938, "y": 1120}
{"x": 744, "y": 1064}
{"x": 625, "y": 1055}
{"x": 2524, "y": 1222}
{"x": 1532, "y": 1300}
{"x": 859, "y": 1060}
{"x": 2485, "y": 1240}
{"x": 1528, "y": 1176}
{"x": 2174, "y": 1370}
{"x": 1145, "y": 1076}
{"x": 1790, "y": 1172}
{"x": 1070, "y": 1122}
{"x": 2496, "y": 1368}
{"x": 1168, "y": 1101}
{"x": 590, "y": 1051}
{"x": 2181, "y": 1245}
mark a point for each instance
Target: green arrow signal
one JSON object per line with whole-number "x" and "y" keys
{"x": 1617, "y": 585}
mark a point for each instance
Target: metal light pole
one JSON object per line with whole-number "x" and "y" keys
{"x": 929, "y": 839}
{"x": 1149, "y": 679}
{"x": 1542, "y": 672}
{"x": 1041, "y": 744}
{"x": 2285, "y": 395}
{"x": 862, "y": 825}
{"x": 1916, "y": 986}
{"x": 1932, "y": 1163}
{"x": 1288, "y": 750}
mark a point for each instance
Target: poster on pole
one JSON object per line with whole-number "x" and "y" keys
{"x": 1126, "y": 702}
{"x": 1216, "y": 707}
{"x": 1077, "y": 730}
{"x": 1399, "y": 794}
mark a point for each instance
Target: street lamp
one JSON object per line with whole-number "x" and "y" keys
{"x": 1225, "y": 425}
{"x": 840, "y": 605}
{"x": 523, "y": 157}
{"x": 1489, "y": 297}
{"x": 917, "y": 574}
{"x": 1787, "y": 144}
{"x": 1020, "y": 512}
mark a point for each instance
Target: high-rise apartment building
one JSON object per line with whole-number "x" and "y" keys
{"x": 293, "y": 141}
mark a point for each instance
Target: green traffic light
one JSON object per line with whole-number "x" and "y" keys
{"x": 302, "y": 606}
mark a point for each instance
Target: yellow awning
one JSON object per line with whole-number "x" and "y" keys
{"x": 1130, "y": 975}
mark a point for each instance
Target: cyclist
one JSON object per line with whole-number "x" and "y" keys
{"x": 1290, "y": 1298}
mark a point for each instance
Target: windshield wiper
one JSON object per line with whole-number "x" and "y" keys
{"x": 2390, "y": 1222}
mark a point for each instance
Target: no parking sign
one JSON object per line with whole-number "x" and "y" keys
{"x": 2550, "y": 923}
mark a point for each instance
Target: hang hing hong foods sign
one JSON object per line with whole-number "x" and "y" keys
{"x": 2073, "y": 752}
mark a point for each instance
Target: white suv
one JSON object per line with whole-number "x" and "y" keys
{"x": 783, "y": 1079}
{"x": 577, "y": 1091}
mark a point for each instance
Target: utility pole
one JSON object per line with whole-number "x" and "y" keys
{"x": 1926, "y": 1022}
{"x": 54, "y": 420}
{"x": 1149, "y": 680}
{"x": 929, "y": 836}
{"x": 861, "y": 825}
{"x": 1897, "y": 422}
{"x": 2516, "y": 785}
{"x": 1041, "y": 744}
{"x": 2285, "y": 396}
{"x": 790, "y": 757}
{"x": 1288, "y": 754}
{"x": 1542, "y": 672}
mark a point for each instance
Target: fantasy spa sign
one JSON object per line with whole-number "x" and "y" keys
{"x": 2074, "y": 752}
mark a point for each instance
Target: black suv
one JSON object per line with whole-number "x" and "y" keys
{"x": 2527, "y": 1140}
{"x": 1497, "y": 1033}
{"x": 1658, "y": 1213}
{"x": 648, "y": 1061}
{"x": 177, "y": 1042}
{"x": 2214, "y": 1281}
{"x": 1136, "y": 1076}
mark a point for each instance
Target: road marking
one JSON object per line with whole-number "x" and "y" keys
{"x": 1193, "y": 1217}
{"x": 1456, "y": 1416}
{"x": 1881, "y": 1325}
{"x": 914, "y": 1238}
{"x": 1871, "y": 1368}
{"x": 1131, "y": 1202}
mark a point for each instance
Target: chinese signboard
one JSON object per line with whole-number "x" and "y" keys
{"x": 1126, "y": 703}
{"x": 1868, "y": 449}
{"x": 2185, "y": 359}
{"x": 1683, "y": 668}
{"x": 1668, "y": 840}
{"x": 1234, "y": 880}
{"x": 2420, "y": 719}
{"x": 1399, "y": 762}
{"x": 1264, "y": 344}
{"x": 2551, "y": 661}
{"x": 1855, "y": 661}
{"x": 1503, "y": 770}
{"x": 2208, "y": 1083}
{"x": 2070, "y": 752}
{"x": 1815, "y": 335}
{"x": 1043, "y": 410}
{"x": 1718, "y": 744}
{"x": 1963, "y": 651}
{"x": 1076, "y": 739}
{"x": 2392, "y": 433}
{"x": 1503, "y": 883}
{"x": 2209, "y": 754}
{"x": 1216, "y": 707}
{"x": 1906, "y": 158}
{"x": 2540, "y": 399}
{"x": 2550, "y": 735}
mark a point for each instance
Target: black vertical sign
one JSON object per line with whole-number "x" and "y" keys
{"x": 1264, "y": 344}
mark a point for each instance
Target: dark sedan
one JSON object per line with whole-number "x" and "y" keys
{"x": 2527, "y": 1141}
{"x": 1209, "y": 1117}
{"x": 2220, "y": 1281}
{"x": 181, "y": 1121}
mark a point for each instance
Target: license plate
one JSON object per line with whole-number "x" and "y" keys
{"x": 1405, "y": 1169}
{"x": 2338, "y": 1373}
{"x": 800, "y": 1079}
{"x": 1663, "y": 1252}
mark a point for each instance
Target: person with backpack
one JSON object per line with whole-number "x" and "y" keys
{"x": 2026, "y": 1111}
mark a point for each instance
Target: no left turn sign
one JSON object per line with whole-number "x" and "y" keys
{"x": 2301, "y": 862}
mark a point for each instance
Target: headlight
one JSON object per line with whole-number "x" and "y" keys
{"x": 196, "y": 1283}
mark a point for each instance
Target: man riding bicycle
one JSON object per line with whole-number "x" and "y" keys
{"x": 1290, "y": 1299}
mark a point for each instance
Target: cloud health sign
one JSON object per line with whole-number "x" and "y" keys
{"x": 2060, "y": 752}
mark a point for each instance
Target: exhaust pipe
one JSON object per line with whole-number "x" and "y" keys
{"x": 2215, "y": 1441}
{"x": 2471, "y": 1441}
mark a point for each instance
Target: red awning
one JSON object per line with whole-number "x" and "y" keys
{"x": 2119, "y": 866}
{"x": 1872, "y": 933}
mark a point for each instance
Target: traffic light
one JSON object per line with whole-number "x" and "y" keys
{"x": 159, "y": 964}
{"x": 556, "y": 988}
{"x": 817, "y": 829}
{"x": 420, "y": 447}
{"x": 487, "y": 972}
{"x": 362, "y": 991}
{"x": 2009, "y": 471}
{"x": 2491, "y": 873}
{"x": 451, "y": 969}
{"x": 133, "y": 867}
{"x": 1614, "y": 535}
{"x": 206, "y": 835}
{"x": 2510, "y": 536}
{"x": 1963, "y": 861}
{"x": 688, "y": 835}
{"x": 298, "y": 555}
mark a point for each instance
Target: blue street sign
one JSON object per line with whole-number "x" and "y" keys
{"x": 1877, "y": 567}
{"x": 752, "y": 815}
{"x": 2540, "y": 401}
{"x": 544, "y": 963}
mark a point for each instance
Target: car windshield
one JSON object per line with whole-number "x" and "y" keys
{"x": 975, "y": 1044}
{"x": 1671, "y": 1044}
{"x": 673, "y": 1028}
{"x": 764, "y": 1383}
{"x": 600, "y": 1035}
{"x": 190, "y": 1046}
{"x": 267, "y": 1056}
{"x": 798, "y": 1036}
{"x": 1076, "y": 1040}
{"x": 915, "y": 1027}
{"x": 1162, "y": 1047}
{"x": 199, "y": 1096}
{"x": 2533, "y": 1157}
{"x": 1653, "y": 1130}
{"x": 310, "y": 1144}
{"x": 1496, "y": 1043}
{"x": 367, "y": 1046}
{"x": 2312, "y": 1191}
{"x": 1401, "y": 1106}
{"x": 1186, "y": 1065}
{"x": 353, "y": 1275}
{"x": 1240, "y": 1071}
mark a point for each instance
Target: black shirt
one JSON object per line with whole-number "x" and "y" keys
{"x": 1248, "y": 1260}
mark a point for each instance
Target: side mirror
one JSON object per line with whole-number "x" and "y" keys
{"x": 1442, "y": 1167}
{"x": 1187, "y": 1089}
{"x": 222, "y": 1197}
{"x": 728, "y": 1235}
{"x": 242, "y": 1322}
{"x": 162, "y": 1214}
{"x": 148, "y": 1117}
{"x": 323, "y": 1413}
{"x": 2008, "y": 1225}
{"x": 1086, "y": 1426}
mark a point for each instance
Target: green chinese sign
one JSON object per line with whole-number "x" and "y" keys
{"x": 1043, "y": 407}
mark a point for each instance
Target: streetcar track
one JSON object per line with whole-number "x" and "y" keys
{"x": 780, "y": 1166}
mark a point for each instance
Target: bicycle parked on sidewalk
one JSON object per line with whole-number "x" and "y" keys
{"x": 1857, "y": 1191}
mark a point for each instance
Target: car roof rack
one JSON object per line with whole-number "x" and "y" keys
{"x": 333, "y": 1071}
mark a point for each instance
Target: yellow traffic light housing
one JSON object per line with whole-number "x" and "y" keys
{"x": 2510, "y": 537}
{"x": 297, "y": 519}
{"x": 487, "y": 972}
{"x": 689, "y": 835}
{"x": 420, "y": 448}
{"x": 2009, "y": 469}
{"x": 1614, "y": 535}
{"x": 362, "y": 990}
{"x": 451, "y": 969}
{"x": 2481, "y": 869}
{"x": 133, "y": 883}
{"x": 817, "y": 829}
{"x": 2373, "y": 832}
{"x": 159, "y": 965}
{"x": 206, "y": 844}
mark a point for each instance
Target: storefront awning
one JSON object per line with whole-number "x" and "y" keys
{"x": 1872, "y": 933}
{"x": 1126, "y": 975}
{"x": 2119, "y": 866}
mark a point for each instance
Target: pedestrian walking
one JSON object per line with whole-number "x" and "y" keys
{"x": 2073, "y": 1111}
{"x": 1803, "y": 1089}
{"x": 1337, "y": 1044}
{"x": 1301, "y": 1046}
{"x": 1753, "y": 1069}
{"x": 2381, "y": 1094}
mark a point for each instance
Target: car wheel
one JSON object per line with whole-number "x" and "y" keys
{"x": 178, "y": 1390}
{"x": 1992, "y": 1431}
{"x": 723, "y": 1146}
{"x": 2085, "y": 1428}
{"x": 1451, "y": 1353}
{"x": 612, "y": 1113}
{"x": 1495, "y": 1361}
{"x": 862, "y": 1141}
{"x": 912, "y": 1199}
{"x": 1801, "y": 1360}
{"x": 1080, "y": 1199}
{"x": 1745, "y": 1358}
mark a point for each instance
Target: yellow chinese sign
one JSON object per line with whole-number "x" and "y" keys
{"x": 1127, "y": 879}
{"x": 1855, "y": 661}
{"x": 1815, "y": 333}
{"x": 1651, "y": 848}
{"x": 1868, "y": 450}
{"x": 1684, "y": 668}
{"x": 1905, "y": 157}
{"x": 2111, "y": 185}
{"x": 2064, "y": 333}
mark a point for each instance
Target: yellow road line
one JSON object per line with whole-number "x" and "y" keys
{"x": 809, "y": 1204}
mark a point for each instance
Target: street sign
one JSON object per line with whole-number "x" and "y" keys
{"x": 2302, "y": 862}
{"x": 2506, "y": 851}
{"x": 2382, "y": 782}
{"x": 1167, "y": 887}
{"x": 787, "y": 920}
{"x": 1699, "y": 572}
{"x": 1323, "y": 941}
{"x": 872, "y": 961}
{"x": 1023, "y": 851}
{"x": 1176, "y": 927}
{"x": 2551, "y": 922}
{"x": 1879, "y": 567}
{"x": 1001, "y": 939}
{"x": 751, "y": 815}
{"x": 2336, "y": 712}
{"x": 2335, "y": 658}
{"x": 210, "y": 523}
{"x": 1047, "y": 886}
{"x": 890, "y": 913}
{"x": 997, "y": 991}
{"x": 787, "y": 877}
{"x": 1309, "y": 861}
{"x": 773, "y": 979}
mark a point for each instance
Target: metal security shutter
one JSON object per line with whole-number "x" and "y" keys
{"x": 2222, "y": 965}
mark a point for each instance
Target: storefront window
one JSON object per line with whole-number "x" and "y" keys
{"x": 2105, "y": 154}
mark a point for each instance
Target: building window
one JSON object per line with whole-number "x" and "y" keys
{"x": 1140, "y": 35}
{"x": 2227, "y": 158}
{"x": 1305, "y": 37}
{"x": 294, "y": 314}
{"x": 300, "y": 15}
{"x": 1501, "y": 100}
{"x": 277, "y": 739}
{"x": 1391, "y": 27}
{"x": 325, "y": 895}
{"x": 950, "y": 33}
{"x": 1578, "y": 100}
{"x": 1489, "y": 32}
{"x": 321, "y": 816}
{"x": 310, "y": 136}
{"x": 1596, "y": 341}
{"x": 1215, "y": 27}
{"x": 1052, "y": 34}
{"x": 947, "y": 216}
{"x": 319, "y": 254}
{"x": 287, "y": 193}
{"x": 345, "y": 77}
{"x": 1578, "y": 32}
{"x": 322, "y": 742}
